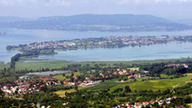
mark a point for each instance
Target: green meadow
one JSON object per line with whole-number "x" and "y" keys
{"x": 61, "y": 77}
{"x": 155, "y": 85}
{"x": 63, "y": 63}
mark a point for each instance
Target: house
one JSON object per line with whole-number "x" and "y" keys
{"x": 66, "y": 81}
{"x": 185, "y": 65}
{"x": 120, "y": 72}
{"x": 131, "y": 76}
{"x": 103, "y": 75}
{"x": 138, "y": 105}
{"x": 129, "y": 105}
{"x": 124, "y": 70}
{"x": 138, "y": 75}
{"x": 122, "y": 81}
{"x": 145, "y": 104}
{"x": 115, "y": 73}
{"x": 174, "y": 97}
{"x": 46, "y": 79}
{"x": 145, "y": 71}
{"x": 75, "y": 77}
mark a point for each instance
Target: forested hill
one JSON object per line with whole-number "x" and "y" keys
{"x": 101, "y": 22}
{"x": 99, "y": 19}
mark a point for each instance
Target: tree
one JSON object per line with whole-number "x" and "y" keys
{"x": 63, "y": 74}
{"x": 1, "y": 93}
{"x": 127, "y": 89}
{"x": 76, "y": 88}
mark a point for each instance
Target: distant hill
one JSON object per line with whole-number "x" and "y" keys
{"x": 117, "y": 20}
{"x": 11, "y": 19}
{"x": 101, "y": 22}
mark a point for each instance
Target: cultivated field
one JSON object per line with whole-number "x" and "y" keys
{"x": 62, "y": 63}
{"x": 61, "y": 77}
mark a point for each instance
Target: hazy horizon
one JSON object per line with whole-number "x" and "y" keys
{"x": 170, "y": 9}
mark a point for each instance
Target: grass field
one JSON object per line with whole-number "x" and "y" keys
{"x": 155, "y": 85}
{"x": 166, "y": 76}
{"x": 61, "y": 77}
{"x": 61, "y": 93}
{"x": 190, "y": 104}
{"x": 2, "y": 65}
{"x": 62, "y": 63}
{"x": 108, "y": 84}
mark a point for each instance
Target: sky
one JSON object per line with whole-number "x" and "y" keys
{"x": 171, "y": 9}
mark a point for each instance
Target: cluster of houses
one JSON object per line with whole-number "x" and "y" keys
{"x": 89, "y": 82}
{"x": 144, "y": 104}
{"x": 24, "y": 87}
{"x": 99, "y": 42}
{"x": 130, "y": 72}
{"x": 21, "y": 87}
{"x": 86, "y": 82}
{"x": 176, "y": 65}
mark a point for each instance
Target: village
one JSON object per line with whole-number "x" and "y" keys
{"x": 102, "y": 42}
{"x": 150, "y": 103}
{"x": 27, "y": 84}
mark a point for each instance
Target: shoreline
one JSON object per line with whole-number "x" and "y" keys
{"x": 62, "y": 63}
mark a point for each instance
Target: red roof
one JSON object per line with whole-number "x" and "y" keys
{"x": 115, "y": 73}
{"x": 75, "y": 77}
{"x": 45, "y": 79}
{"x": 130, "y": 76}
{"x": 42, "y": 85}
{"x": 103, "y": 75}
{"x": 137, "y": 104}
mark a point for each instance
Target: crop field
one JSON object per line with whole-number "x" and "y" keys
{"x": 61, "y": 93}
{"x": 155, "y": 85}
{"x": 2, "y": 65}
{"x": 107, "y": 85}
{"x": 62, "y": 63}
{"x": 61, "y": 77}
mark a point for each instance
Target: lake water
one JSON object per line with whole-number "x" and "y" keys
{"x": 22, "y": 36}
{"x": 159, "y": 51}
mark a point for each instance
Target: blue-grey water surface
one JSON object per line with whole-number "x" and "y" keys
{"x": 160, "y": 51}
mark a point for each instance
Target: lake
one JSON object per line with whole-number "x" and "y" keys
{"x": 15, "y": 36}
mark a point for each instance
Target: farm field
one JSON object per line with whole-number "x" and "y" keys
{"x": 190, "y": 104}
{"x": 155, "y": 85}
{"x": 111, "y": 83}
{"x": 62, "y": 63}
{"x": 61, "y": 93}
{"x": 61, "y": 77}
{"x": 2, "y": 65}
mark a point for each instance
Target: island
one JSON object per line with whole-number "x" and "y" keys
{"x": 101, "y": 42}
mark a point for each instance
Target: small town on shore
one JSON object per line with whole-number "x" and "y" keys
{"x": 102, "y": 42}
